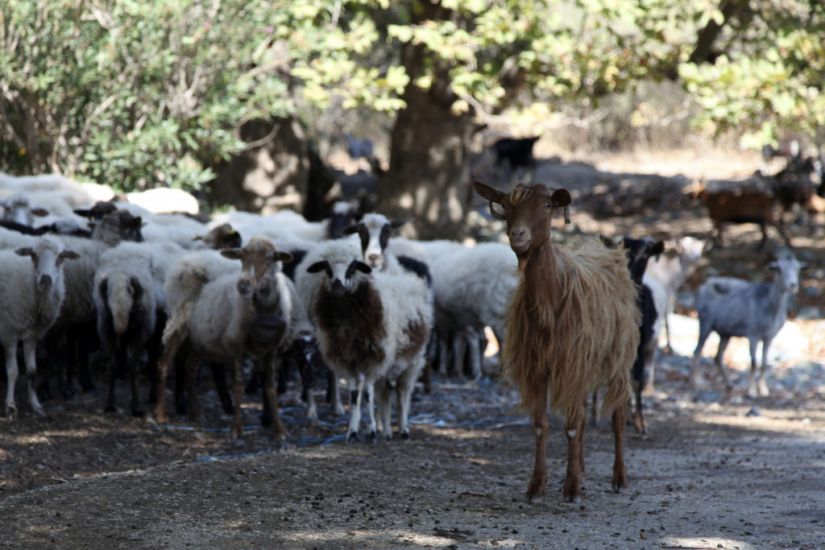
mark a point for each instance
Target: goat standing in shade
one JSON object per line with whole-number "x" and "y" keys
{"x": 756, "y": 311}
{"x": 573, "y": 325}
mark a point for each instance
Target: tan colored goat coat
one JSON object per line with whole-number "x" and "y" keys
{"x": 578, "y": 329}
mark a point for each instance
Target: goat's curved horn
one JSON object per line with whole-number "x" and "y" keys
{"x": 496, "y": 215}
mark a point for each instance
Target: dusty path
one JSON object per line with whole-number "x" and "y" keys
{"x": 709, "y": 476}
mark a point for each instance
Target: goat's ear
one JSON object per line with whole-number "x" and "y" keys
{"x": 323, "y": 265}
{"x": 232, "y": 253}
{"x": 284, "y": 257}
{"x": 560, "y": 197}
{"x": 25, "y": 251}
{"x": 397, "y": 223}
{"x": 774, "y": 266}
{"x": 490, "y": 193}
{"x": 362, "y": 267}
{"x": 39, "y": 212}
{"x": 351, "y": 229}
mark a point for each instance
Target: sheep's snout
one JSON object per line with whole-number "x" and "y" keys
{"x": 45, "y": 282}
{"x": 244, "y": 287}
{"x": 337, "y": 285}
{"x": 374, "y": 259}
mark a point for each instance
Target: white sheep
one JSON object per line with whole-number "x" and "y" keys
{"x": 230, "y": 317}
{"x": 372, "y": 327}
{"x": 31, "y": 295}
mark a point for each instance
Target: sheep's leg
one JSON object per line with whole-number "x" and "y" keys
{"x": 428, "y": 378}
{"x": 132, "y": 367}
{"x": 271, "y": 397}
{"x": 405, "y": 388}
{"x": 332, "y": 380}
{"x": 382, "y": 392}
{"x": 237, "y": 386}
{"x": 474, "y": 341}
{"x": 752, "y": 390}
{"x": 221, "y": 387}
{"x": 370, "y": 387}
{"x": 332, "y": 386}
{"x": 167, "y": 358}
{"x": 307, "y": 385}
{"x": 443, "y": 354}
{"x": 30, "y": 355}
{"x": 541, "y": 425}
{"x": 619, "y": 471}
{"x": 355, "y": 409}
{"x": 459, "y": 347}
{"x": 762, "y": 386}
{"x": 110, "y": 396}
{"x": 191, "y": 369}
{"x": 720, "y": 354}
{"x": 11, "y": 377}
{"x": 704, "y": 332}
{"x": 575, "y": 432}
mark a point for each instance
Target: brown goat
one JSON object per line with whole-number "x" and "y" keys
{"x": 573, "y": 325}
{"x": 743, "y": 206}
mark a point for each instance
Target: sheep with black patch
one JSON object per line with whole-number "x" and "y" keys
{"x": 32, "y": 291}
{"x": 372, "y": 328}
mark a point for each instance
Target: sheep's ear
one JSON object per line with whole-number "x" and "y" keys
{"x": 232, "y": 253}
{"x": 83, "y": 212}
{"x": 39, "y": 212}
{"x": 351, "y": 229}
{"x": 657, "y": 248}
{"x": 490, "y": 193}
{"x": 67, "y": 255}
{"x": 26, "y": 251}
{"x": 397, "y": 223}
{"x": 323, "y": 265}
{"x": 362, "y": 267}
{"x": 284, "y": 257}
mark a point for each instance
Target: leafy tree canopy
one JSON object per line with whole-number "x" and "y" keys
{"x": 137, "y": 94}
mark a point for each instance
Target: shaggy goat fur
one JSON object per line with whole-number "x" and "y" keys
{"x": 573, "y": 324}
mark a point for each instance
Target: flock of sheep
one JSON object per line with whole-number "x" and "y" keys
{"x": 153, "y": 288}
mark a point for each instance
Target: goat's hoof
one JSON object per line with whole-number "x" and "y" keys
{"x": 619, "y": 482}
{"x": 11, "y": 412}
{"x": 352, "y": 436}
{"x": 537, "y": 486}
{"x": 572, "y": 489}
{"x": 405, "y": 435}
{"x": 38, "y": 410}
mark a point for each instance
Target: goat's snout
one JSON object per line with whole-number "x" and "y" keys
{"x": 517, "y": 233}
{"x": 45, "y": 281}
{"x": 244, "y": 287}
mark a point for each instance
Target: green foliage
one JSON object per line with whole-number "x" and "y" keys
{"x": 138, "y": 94}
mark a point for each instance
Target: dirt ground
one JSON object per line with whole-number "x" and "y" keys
{"x": 746, "y": 474}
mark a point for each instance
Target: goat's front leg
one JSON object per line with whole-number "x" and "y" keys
{"x": 720, "y": 354}
{"x": 237, "y": 387}
{"x": 355, "y": 408}
{"x": 704, "y": 332}
{"x": 30, "y": 355}
{"x": 541, "y": 425}
{"x": 762, "y": 386}
{"x": 574, "y": 430}
{"x": 619, "y": 471}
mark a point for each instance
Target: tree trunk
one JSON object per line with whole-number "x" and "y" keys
{"x": 428, "y": 179}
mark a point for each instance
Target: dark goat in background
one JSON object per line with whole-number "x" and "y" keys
{"x": 518, "y": 152}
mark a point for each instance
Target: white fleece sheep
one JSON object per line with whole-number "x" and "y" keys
{"x": 372, "y": 327}
{"x": 31, "y": 295}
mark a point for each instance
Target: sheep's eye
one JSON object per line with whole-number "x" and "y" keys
{"x": 548, "y": 205}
